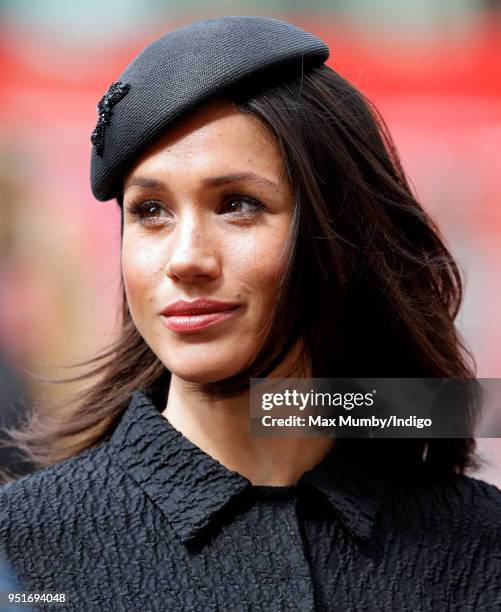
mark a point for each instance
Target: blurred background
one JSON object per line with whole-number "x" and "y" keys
{"x": 433, "y": 67}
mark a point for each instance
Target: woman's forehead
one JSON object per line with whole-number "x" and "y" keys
{"x": 214, "y": 136}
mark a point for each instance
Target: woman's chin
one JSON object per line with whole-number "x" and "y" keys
{"x": 203, "y": 375}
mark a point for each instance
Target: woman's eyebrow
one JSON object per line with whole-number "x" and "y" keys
{"x": 211, "y": 181}
{"x": 215, "y": 181}
{"x": 148, "y": 183}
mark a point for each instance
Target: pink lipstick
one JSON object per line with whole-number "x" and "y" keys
{"x": 182, "y": 316}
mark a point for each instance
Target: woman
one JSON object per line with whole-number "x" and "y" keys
{"x": 268, "y": 230}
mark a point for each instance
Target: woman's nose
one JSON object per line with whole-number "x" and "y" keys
{"x": 192, "y": 253}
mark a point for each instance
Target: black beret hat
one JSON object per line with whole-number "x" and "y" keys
{"x": 179, "y": 70}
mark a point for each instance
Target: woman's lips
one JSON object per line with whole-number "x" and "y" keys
{"x": 194, "y": 322}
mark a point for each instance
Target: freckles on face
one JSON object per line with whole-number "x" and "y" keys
{"x": 207, "y": 214}
{"x": 140, "y": 268}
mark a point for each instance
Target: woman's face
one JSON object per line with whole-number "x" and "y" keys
{"x": 207, "y": 212}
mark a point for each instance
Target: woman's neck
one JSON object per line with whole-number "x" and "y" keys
{"x": 221, "y": 428}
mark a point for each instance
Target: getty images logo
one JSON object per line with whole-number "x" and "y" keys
{"x": 300, "y": 400}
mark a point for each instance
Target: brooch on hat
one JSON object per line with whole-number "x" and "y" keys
{"x": 115, "y": 93}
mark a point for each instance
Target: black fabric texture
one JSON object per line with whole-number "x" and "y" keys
{"x": 149, "y": 521}
{"x": 188, "y": 65}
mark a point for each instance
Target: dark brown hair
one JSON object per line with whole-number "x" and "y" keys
{"x": 370, "y": 288}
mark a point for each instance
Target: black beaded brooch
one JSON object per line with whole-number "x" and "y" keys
{"x": 115, "y": 93}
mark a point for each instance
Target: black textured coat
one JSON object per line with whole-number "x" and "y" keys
{"x": 148, "y": 521}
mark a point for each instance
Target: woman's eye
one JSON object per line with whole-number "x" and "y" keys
{"x": 147, "y": 213}
{"x": 150, "y": 213}
{"x": 242, "y": 205}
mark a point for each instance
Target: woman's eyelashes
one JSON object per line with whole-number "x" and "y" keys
{"x": 148, "y": 212}
{"x": 253, "y": 205}
{"x": 142, "y": 212}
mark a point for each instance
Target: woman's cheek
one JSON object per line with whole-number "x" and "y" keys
{"x": 141, "y": 270}
{"x": 257, "y": 259}
{"x": 269, "y": 266}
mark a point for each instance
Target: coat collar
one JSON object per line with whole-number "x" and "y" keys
{"x": 191, "y": 487}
